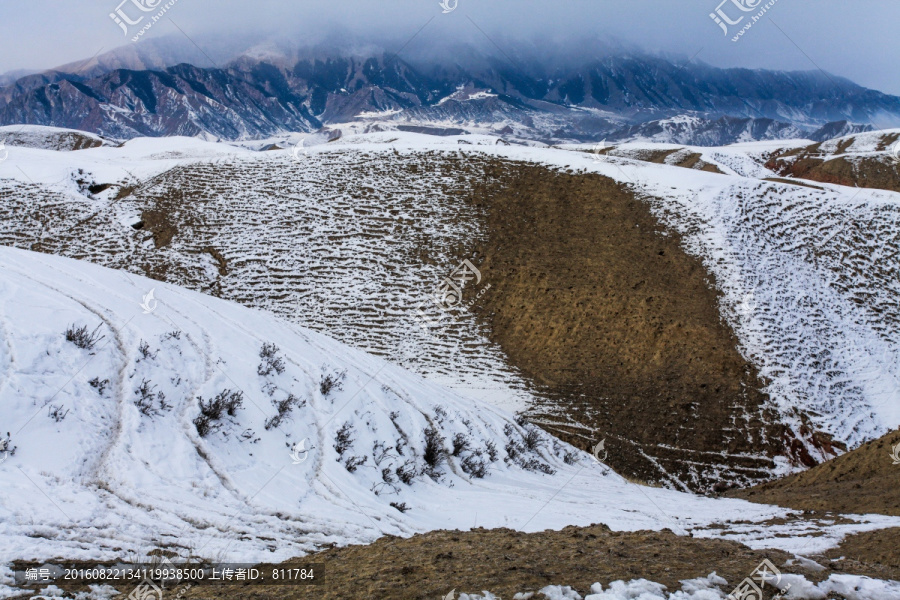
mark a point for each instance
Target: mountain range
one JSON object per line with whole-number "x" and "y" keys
{"x": 267, "y": 91}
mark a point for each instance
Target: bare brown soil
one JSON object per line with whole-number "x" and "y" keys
{"x": 879, "y": 172}
{"x": 506, "y": 562}
{"x": 873, "y": 553}
{"x": 862, "y": 481}
{"x": 693, "y": 161}
{"x": 605, "y": 311}
{"x": 861, "y": 172}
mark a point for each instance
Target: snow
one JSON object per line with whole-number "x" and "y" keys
{"x": 711, "y": 587}
{"x": 41, "y": 136}
{"x": 857, "y": 143}
{"x": 807, "y": 276}
{"x": 127, "y": 482}
{"x": 139, "y": 158}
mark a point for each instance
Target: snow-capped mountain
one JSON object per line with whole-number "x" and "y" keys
{"x": 266, "y": 91}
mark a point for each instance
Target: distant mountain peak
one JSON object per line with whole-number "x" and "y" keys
{"x": 269, "y": 88}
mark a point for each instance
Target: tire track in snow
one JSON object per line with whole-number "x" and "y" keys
{"x": 337, "y": 496}
{"x": 114, "y": 437}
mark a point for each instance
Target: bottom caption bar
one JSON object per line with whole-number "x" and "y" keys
{"x": 158, "y": 577}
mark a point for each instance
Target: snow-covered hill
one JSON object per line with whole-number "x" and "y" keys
{"x": 333, "y": 239}
{"x": 111, "y": 453}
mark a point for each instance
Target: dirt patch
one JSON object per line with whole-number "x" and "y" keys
{"x": 862, "y": 481}
{"x": 607, "y": 313}
{"x": 868, "y": 172}
{"x": 160, "y": 225}
{"x": 693, "y": 161}
{"x": 221, "y": 263}
{"x": 507, "y": 562}
{"x": 871, "y": 553}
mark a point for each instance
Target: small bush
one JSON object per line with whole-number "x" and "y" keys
{"x": 331, "y": 382}
{"x": 401, "y": 506}
{"x": 380, "y": 451}
{"x": 204, "y": 425}
{"x": 343, "y": 439}
{"x": 388, "y": 480}
{"x": 435, "y": 453}
{"x": 212, "y": 408}
{"x": 271, "y": 362}
{"x": 56, "y": 413}
{"x": 226, "y": 401}
{"x": 513, "y": 451}
{"x": 533, "y": 464}
{"x": 248, "y": 435}
{"x": 82, "y": 338}
{"x": 172, "y": 335}
{"x": 284, "y": 408}
{"x": 474, "y": 465}
{"x": 516, "y": 455}
{"x": 492, "y": 451}
{"x": 148, "y": 400}
{"x": 232, "y": 401}
{"x": 533, "y": 439}
{"x": 570, "y": 458}
{"x": 352, "y": 463}
{"x": 100, "y": 386}
{"x": 407, "y": 472}
{"x": 388, "y": 476}
{"x": 144, "y": 350}
{"x": 460, "y": 443}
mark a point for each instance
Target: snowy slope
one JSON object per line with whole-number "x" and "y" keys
{"x": 808, "y": 275}
{"x": 107, "y": 480}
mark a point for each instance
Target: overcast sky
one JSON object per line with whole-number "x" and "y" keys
{"x": 856, "y": 39}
